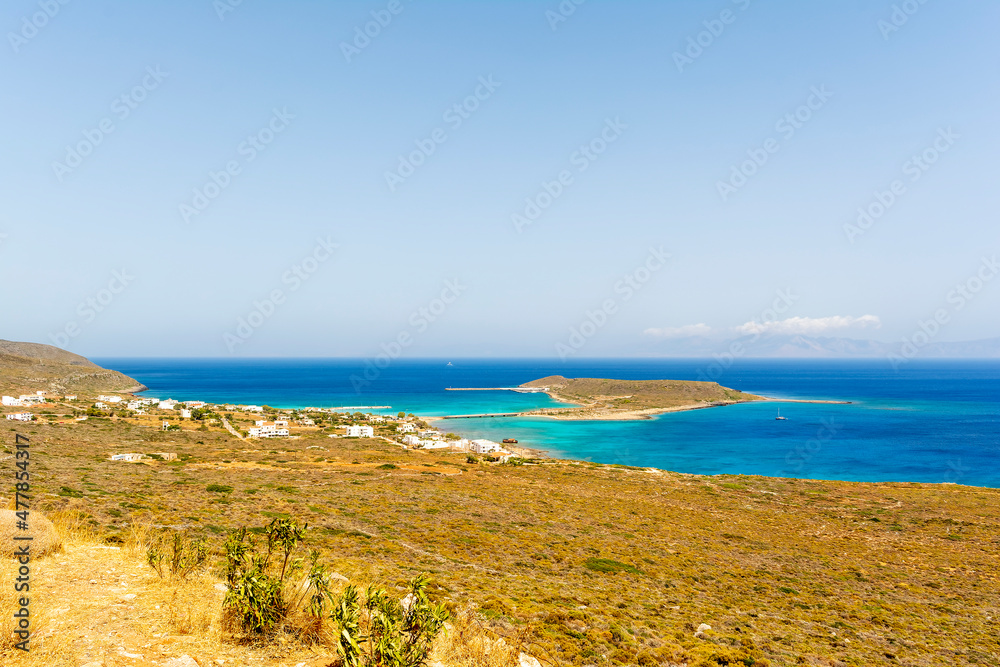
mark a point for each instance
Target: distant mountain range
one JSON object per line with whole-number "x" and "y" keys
{"x": 798, "y": 346}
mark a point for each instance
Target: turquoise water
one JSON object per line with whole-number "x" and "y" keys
{"x": 929, "y": 422}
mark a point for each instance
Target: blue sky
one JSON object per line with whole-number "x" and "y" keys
{"x": 203, "y": 85}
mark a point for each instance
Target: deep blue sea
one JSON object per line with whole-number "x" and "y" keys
{"x": 932, "y": 421}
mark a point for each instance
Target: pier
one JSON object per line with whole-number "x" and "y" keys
{"x": 520, "y": 390}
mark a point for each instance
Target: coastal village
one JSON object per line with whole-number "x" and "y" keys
{"x": 253, "y": 422}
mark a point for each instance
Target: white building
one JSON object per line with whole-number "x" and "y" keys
{"x": 69, "y": 397}
{"x": 28, "y": 399}
{"x": 462, "y": 444}
{"x": 434, "y": 444}
{"x": 411, "y": 440}
{"x": 185, "y": 414}
{"x": 167, "y": 404}
{"x": 110, "y": 399}
{"x": 360, "y": 432}
{"x": 10, "y": 401}
{"x": 430, "y": 433}
{"x": 406, "y": 428}
{"x": 101, "y": 406}
{"x": 305, "y": 421}
{"x": 127, "y": 457}
{"x": 166, "y": 425}
{"x": 254, "y": 408}
{"x": 268, "y": 430}
{"x": 377, "y": 419}
{"x": 484, "y": 446}
{"x": 21, "y": 416}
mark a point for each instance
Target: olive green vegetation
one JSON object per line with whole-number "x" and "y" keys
{"x": 594, "y": 564}
{"x": 597, "y": 396}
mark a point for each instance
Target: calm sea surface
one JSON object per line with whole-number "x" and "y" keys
{"x": 933, "y": 421}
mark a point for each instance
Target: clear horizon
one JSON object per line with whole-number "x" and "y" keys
{"x": 470, "y": 180}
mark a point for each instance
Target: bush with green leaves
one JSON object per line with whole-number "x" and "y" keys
{"x": 256, "y": 600}
{"x": 376, "y": 630}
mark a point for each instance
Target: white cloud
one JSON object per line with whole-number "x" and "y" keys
{"x": 809, "y": 326}
{"x": 680, "y": 332}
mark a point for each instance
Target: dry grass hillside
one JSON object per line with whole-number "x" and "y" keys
{"x": 31, "y": 367}
{"x": 99, "y": 604}
{"x": 579, "y": 563}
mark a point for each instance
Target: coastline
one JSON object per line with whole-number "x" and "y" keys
{"x": 580, "y": 413}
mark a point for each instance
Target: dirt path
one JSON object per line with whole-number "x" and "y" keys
{"x": 229, "y": 427}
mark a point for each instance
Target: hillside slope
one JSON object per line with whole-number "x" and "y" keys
{"x": 30, "y": 367}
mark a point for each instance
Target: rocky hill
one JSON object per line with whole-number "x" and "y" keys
{"x": 30, "y": 367}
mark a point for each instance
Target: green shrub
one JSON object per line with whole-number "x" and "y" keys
{"x": 379, "y": 630}
{"x": 609, "y": 566}
{"x": 219, "y": 488}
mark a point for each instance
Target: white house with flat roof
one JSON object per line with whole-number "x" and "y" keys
{"x": 21, "y": 416}
{"x": 411, "y": 440}
{"x": 110, "y": 399}
{"x": 406, "y": 428}
{"x": 360, "y": 432}
{"x": 12, "y": 402}
{"x": 434, "y": 444}
{"x": 484, "y": 446}
{"x": 265, "y": 429}
{"x": 131, "y": 458}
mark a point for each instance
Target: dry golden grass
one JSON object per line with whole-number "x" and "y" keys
{"x": 45, "y": 538}
{"x": 467, "y": 642}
